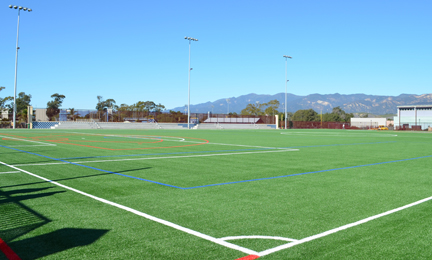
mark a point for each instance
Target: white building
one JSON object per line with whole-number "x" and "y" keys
{"x": 418, "y": 115}
{"x": 41, "y": 114}
{"x": 368, "y": 122}
{"x": 4, "y": 114}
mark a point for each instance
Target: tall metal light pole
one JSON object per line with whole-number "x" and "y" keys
{"x": 286, "y": 83}
{"x": 228, "y": 102}
{"x": 189, "y": 39}
{"x": 16, "y": 58}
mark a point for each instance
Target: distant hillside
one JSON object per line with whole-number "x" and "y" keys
{"x": 353, "y": 103}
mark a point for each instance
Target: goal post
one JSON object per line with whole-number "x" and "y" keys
{"x": 30, "y": 117}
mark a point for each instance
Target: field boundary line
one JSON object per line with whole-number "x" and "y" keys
{"x": 243, "y": 145}
{"x": 259, "y": 237}
{"x": 185, "y": 141}
{"x": 155, "y": 154}
{"x": 20, "y": 139}
{"x": 9, "y": 172}
{"x": 142, "y": 214}
{"x": 344, "y": 227}
{"x": 153, "y": 158}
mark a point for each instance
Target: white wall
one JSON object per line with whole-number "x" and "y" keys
{"x": 4, "y": 114}
{"x": 424, "y": 118}
{"x": 365, "y": 122}
{"x": 40, "y": 114}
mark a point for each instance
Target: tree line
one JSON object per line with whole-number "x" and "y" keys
{"x": 140, "y": 106}
{"x": 271, "y": 108}
{"x": 337, "y": 115}
{"x": 23, "y": 100}
{"x": 255, "y": 109}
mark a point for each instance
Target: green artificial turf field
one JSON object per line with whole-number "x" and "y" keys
{"x": 215, "y": 194}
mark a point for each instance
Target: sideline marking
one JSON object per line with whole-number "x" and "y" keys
{"x": 259, "y": 237}
{"x": 192, "y": 141}
{"x": 142, "y": 214}
{"x": 151, "y": 158}
{"x": 166, "y": 138}
{"x": 332, "y": 231}
{"x": 220, "y": 241}
{"x": 120, "y": 174}
{"x": 9, "y": 253}
{"x": 20, "y": 139}
{"x": 256, "y": 148}
{"x": 9, "y": 172}
{"x": 152, "y": 154}
{"x": 204, "y": 155}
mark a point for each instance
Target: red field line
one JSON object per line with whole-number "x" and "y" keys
{"x": 248, "y": 257}
{"x": 9, "y": 253}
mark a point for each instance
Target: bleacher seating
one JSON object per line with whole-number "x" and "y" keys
{"x": 121, "y": 125}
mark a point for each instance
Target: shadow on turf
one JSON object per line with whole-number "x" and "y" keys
{"x": 73, "y": 178}
{"x": 56, "y": 241}
{"x": 16, "y": 219}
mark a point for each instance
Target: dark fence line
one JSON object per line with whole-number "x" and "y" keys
{"x": 316, "y": 125}
{"x": 412, "y": 126}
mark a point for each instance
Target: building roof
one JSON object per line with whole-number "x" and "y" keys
{"x": 415, "y": 106}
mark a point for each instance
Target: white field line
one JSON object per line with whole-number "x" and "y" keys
{"x": 259, "y": 237}
{"x": 241, "y": 145}
{"x": 248, "y": 146}
{"x": 183, "y": 140}
{"x": 178, "y": 139}
{"x": 332, "y": 231}
{"x": 9, "y": 172}
{"x": 155, "y": 158}
{"x": 8, "y": 137}
{"x": 31, "y": 145}
{"x": 142, "y": 214}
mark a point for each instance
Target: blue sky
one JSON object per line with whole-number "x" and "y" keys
{"x": 135, "y": 50}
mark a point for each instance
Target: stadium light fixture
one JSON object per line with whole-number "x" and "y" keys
{"x": 16, "y": 58}
{"x": 286, "y": 83}
{"x": 189, "y": 71}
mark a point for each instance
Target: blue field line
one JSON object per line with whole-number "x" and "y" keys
{"x": 304, "y": 173}
{"x": 217, "y": 184}
{"x": 93, "y": 168}
{"x": 218, "y": 151}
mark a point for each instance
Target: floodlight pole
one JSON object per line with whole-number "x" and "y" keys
{"x": 16, "y": 60}
{"x": 189, "y": 39}
{"x": 286, "y": 83}
{"x": 228, "y": 102}
{"x": 16, "y": 72}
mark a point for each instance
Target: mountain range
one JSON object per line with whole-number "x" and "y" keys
{"x": 352, "y": 103}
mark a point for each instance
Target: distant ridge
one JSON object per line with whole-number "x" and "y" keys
{"x": 352, "y": 103}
